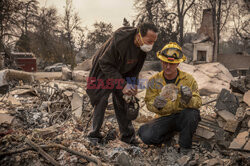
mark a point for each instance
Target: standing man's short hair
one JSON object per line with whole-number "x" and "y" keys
{"x": 144, "y": 27}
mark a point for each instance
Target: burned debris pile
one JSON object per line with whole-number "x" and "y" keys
{"x": 45, "y": 122}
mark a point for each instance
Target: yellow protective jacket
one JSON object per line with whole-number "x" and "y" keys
{"x": 155, "y": 85}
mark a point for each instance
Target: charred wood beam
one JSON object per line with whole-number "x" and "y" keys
{"x": 21, "y": 150}
{"x": 42, "y": 152}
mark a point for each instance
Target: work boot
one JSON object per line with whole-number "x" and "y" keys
{"x": 185, "y": 151}
{"x": 96, "y": 135}
{"x": 132, "y": 141}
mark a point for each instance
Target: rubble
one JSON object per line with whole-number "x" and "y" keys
{"x": 76, "y": 105}
{"x": 66, "y": 74}
{"x": 183, "y": 160}
{"x": 10, "y": 99}
{"x": 3, "y": 80}
{"x": 9, "y": 75}
{"x": 213, "y": 161}
{"x": 85, "y": 65}
{"x": 6, "y": 118}
{"x": 239, "y": 96}
{"x": 230, "y": 122}
{"x": 227, "y": 101}
{"x": 80, "y": 76}
{"x": 238, "y": 86}
{"x": 9, "y": 78}
{"x": 204, "y": 132}
{"x": 49, "y": 120}
{"x": 22, "y": 91}
{"x": 211, "y": 77}
{"x": 240, "y": 114}
{"x": 239, "y": 141}
{"x": 124, "y": 160}
{"x": 47, "y": 76}
{"x": 246, "y": 98}
{"x": 75, "y": 75}
{"x": 247, "y": 146}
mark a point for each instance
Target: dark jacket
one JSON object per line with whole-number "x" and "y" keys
{"x": 118, "y": 58}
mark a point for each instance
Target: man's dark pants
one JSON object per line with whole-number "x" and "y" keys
{"x": 127, "y": 131}
{"x": 185, "y": 122}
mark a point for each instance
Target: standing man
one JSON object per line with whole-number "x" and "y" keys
{"x": 181, "y": 114}
{"x": 121, "y": 56}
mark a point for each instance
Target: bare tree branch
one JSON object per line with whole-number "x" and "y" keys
{"x": 182, "y": 6}
{"x": 178, "y": 7}
{"x": 191, "y": 4}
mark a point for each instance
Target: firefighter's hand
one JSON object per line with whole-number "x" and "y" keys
{"x": 186, "y": 94}
{"x": 160, "y": 102}
{"x": 130, "y": 89}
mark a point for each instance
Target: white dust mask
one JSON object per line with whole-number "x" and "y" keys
{"x": 145, "y": 47}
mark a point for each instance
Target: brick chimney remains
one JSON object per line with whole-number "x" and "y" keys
{"x": 207, "y": 24}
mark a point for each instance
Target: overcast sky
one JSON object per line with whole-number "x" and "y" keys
{"x": 90, "y": 11}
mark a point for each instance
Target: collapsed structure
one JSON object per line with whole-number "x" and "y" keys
{"x": 51, "y": 117}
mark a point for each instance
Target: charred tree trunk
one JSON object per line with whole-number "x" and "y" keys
{"x": 213, "y": 3}
{"x": 181, "y": 15}
{"x": 216, "y": 14}
{"x": 181, "y": 31}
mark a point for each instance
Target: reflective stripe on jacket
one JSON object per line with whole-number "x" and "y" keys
{"x": 155, "y": 85}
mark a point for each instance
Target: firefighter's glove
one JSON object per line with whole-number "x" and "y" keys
{"x": 160, "y": 102}
{"x": 186, "y": 94}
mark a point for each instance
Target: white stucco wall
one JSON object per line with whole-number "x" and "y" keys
{"x": 207, "y": 46}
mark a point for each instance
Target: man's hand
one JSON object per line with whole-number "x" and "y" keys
{"x": 130, "y": 89}
{"x": 186, "y": 94}
{"x": 160, "y": 102}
